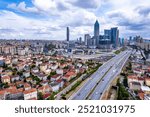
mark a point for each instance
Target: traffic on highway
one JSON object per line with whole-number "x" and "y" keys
{"x": 94, "y": 88}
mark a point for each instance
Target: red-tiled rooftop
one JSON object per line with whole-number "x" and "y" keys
{"x": 30, "y": 91}
{"x": 132, "y": 77}
{"x": 56, "y": 76}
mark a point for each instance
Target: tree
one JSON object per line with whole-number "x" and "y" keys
{"x": 5, "y": 85}
{"x": 40, "y": 96}
{"x": 20, "y": 73}
{"x": 122, "y": 93}
{"x": 32, "y": 66}
{"x": 35, "y": 78}
{"x": 5, "y": 66}
{"x": 53, "y": 73}
{"x": 49, "y": 77}
{"x": 125, "y": 82}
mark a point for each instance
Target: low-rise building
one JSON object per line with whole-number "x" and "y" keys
{"x": 30, "y": 94}
{"x": 138, "y": 71}
{"x": 26, "y": 74}
{"x": 147, "y": 81}
{"x": 27, "y": 86}
{"x": 35, "y": 70}
{"x": 59, "y": 71}
{"x": 3, "y": 95}
{"x": 135, "y": 86}
{"x": 55, "y": 86}
{"x": 8, "y": 72}
{"x": 20, "y": 67}
{"x": 132, "y": 78}
{"x": 55, "y": 77}
{"x": 29, "y": 79}
{"x": 61, "y": 83}
{"x": 47, "y": 71}
{"x": 43, "y": 67}
{"x": 69, "y": 75}
{"x": 44, "y": 89}
{"x": 54, "y": 67}
{"x": 15, "y": 78}
{"x": 15, "y": 94}
{"x": 5, "y": 79}
{"x": 145, "y": 89}
{"x": 41, "y": 76}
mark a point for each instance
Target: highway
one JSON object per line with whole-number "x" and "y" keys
{"x": 108, "y": 78}
{"x": 95, "y": 79}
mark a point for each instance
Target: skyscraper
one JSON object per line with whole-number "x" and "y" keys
{"x": 96, "y": 29}
{"x": 107, "y": 34}
{"x": 86, "y": 37}
{"x": 96, "y": 34}
{"x": 115, "y": 36}
{"x": 67, "y": 34}
{"x": 80, "y": 40}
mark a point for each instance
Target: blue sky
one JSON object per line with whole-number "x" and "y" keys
{"x": 48, "y": 19}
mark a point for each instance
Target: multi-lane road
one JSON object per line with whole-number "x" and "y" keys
{"x": 96, "y": 85}
{"x": 108, "y": 78}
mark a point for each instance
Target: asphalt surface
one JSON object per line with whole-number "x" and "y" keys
{"x": 108, "y": 78}
{"x": 96, "y": 80}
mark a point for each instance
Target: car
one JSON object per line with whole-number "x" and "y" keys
{"x": 78, "y": 94}
{"x": 96, "y": 93}
{"x": 103, "y": 80}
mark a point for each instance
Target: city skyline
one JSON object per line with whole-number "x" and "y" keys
{"x": 48, "y": 19}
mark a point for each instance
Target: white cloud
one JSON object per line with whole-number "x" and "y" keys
{"x": 59, "y": 14}
{"x": 22, "y": 7}
{"x": 45, "y": 5}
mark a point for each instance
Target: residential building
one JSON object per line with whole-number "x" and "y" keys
{"x": 135, "y": 86}
{"x": 5, "y": 79}
{"x": 55, "y": 77}
{"x": 147, "y": 81}
{"x": 30, "y": 94}
{"x": 55, "y": 86}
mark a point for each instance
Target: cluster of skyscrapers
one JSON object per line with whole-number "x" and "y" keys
{"x": 110, "y": 39}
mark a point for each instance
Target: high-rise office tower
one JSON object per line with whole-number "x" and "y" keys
{"x": 96, "y": 29}
{"x": 67, "y": 34}
{"x": 80, "y": 40}
{"x": 86, "y": 38}
{"x": 96, "y": 34}
{"x": 115, "y": 36}
{"x": 107, "y": 34}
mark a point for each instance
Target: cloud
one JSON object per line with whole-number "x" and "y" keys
{"x": 6, "y": 30}
{"x": 26, "y": 28}
{"x": 78, "y": 18}
{"x": 143, "y": 10}
{"x": 22, "y": 7}
{"x": 53, "y": 16}
{"x": 132, "y": 20}
{"x": 44, "y": 5}
{"x": 87, "y": 3}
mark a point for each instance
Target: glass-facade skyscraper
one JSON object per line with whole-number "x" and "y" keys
{"x": 96, "y": 33}
{"x": 107, "y": 34}
{"x": 96, "y": 29}
{"x": 67, "y": 34}
{"x": 115, "y": 36}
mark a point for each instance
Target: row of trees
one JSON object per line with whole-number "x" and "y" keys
{"x": 122, "y": 93}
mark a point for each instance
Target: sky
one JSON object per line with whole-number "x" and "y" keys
{"x": 48, "y": 19}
